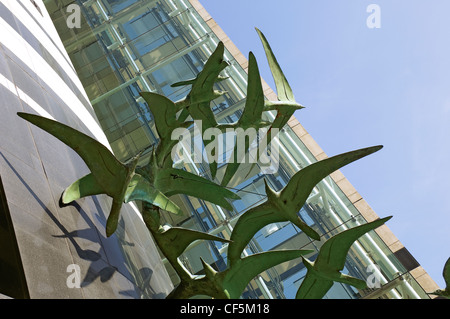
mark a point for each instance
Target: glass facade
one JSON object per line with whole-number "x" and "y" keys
{"x": 127, "y": 46}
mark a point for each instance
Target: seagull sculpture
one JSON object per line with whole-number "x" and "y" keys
{"x": 254, "y": 105}
{"x": 235, "y": 279}
{"x": 164, "y": 112}
{"x": 286, "y": 104}
{"x": 230, "y": 283}
{"x": 202, "y": 90}
{"x": 446, "y": 274}
{"x": 108, "y": 175}
{"x": 198, "y": 101}
{"x": 173, "y": 241}
{"x": 284, "y": 205}
{"x": 251, "y": 118}
{"x": 172, "y": 181}
{"x": 159, "y": 171}
{"x": 331, "y": 259}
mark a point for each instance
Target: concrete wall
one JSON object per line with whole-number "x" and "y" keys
{"x": 36, "y": 76}
{"x": 417, "y": 271}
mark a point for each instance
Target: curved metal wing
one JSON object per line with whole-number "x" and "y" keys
{"x": 248, "y": 224}
{"x": 175, "y": 240}
{"x": 313, "y": 287}
{"x": 334, "y": 251}
{"x": 237, "y": 277}
{"x": 284, "y": 90}
{"x": 140, "y": 189}
{"x": 172, "y": 181}
{"x": 287, "y": 105}
{"x": 254, "y": 104}
{"x": 299, "y": 187}
{"x": 104, "y": 166}
{"x": 330, "y": 261}
{"x": 85, "y": 186}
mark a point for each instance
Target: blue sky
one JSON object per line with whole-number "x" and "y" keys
{"x": 364, "y": 87}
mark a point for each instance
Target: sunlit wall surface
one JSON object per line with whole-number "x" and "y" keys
{"x": 47, "y": 250}
{"x": 127, "y": 46}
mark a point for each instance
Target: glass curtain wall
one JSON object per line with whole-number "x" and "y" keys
{"x": 127, "y": 46}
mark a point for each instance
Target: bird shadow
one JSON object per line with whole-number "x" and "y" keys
{"x": 85, "y": 254}
{"x": 139, "y": 277}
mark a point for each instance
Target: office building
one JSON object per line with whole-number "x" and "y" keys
{"x": 120, "y": 48}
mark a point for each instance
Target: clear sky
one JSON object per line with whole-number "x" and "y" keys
{"x": 368, "y": 86}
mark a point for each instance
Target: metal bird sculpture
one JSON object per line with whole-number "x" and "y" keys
{"x": 446, "y": 274}
{"x": 202, "y": 90}
{"x": 230, "y": 283}
{"x": 165, "y": 116}
{"x": 108, "y": 175}
{"x": 251, "y": 117}
{"x": 331, "y": 259}
{"x": 234, "y": 280}
{"x": 173, "y": 241}
{"x": 173, "y": 181}
{"x": 159, "y": 171}
{"x": 286, "y": 104}
{"x": 284, "y": 205}
{"x": 155, "y": 182}
{"x": 198, "y": 101}
{"x": 254, "y": 105}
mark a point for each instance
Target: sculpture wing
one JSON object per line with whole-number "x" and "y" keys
{"x": 446, "y": 274}
{"x": 353, "y": 281}
{"x": 180, "y": 238}
{"x": 333, "y": 253}
{"x": 237, "y": 158}
{"x": 174, "y": 181}
{"x": 85, "y": 186}
{"x": 140, "y": 189}
{"x": 202, "y": 88}
{"x": 104, "y": 166}
{"x": 248, "y": 225}
{"x": 241, "y": 273}
{"x": 284, "y": 90}
{"x": 313, "y": 287}
{"x": 251, "y": 116}
{"x": 164, "y": 112}
{"x": 254, "y": 104}
{"x": 202, "y": 93}
{"x": 296, "y": 192}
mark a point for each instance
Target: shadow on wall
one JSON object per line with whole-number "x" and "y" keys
{"x": 140, "y": 278}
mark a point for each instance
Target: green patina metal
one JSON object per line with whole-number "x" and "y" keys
{"x": 445, "y": 293}
{"x": 328, "y": 265}
{"x": 108, "y": 175}
{"x": 157, "y": 180}
{"x": 284, "y": 206}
